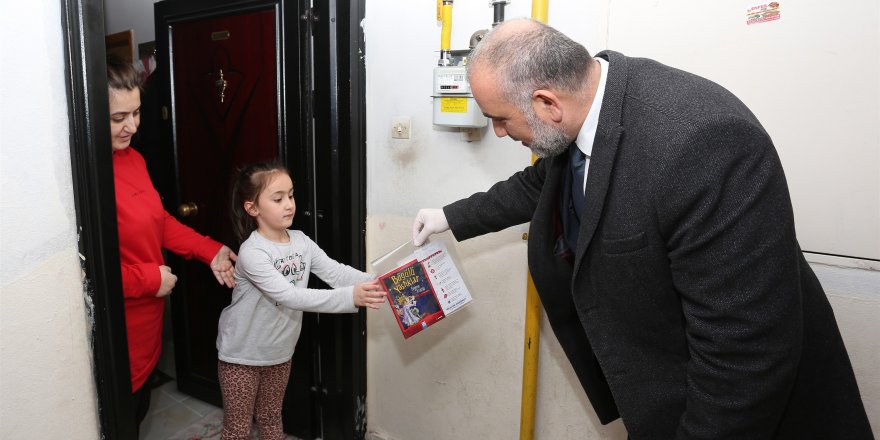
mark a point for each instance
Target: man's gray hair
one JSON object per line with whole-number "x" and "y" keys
{"x": 538, "y": 57}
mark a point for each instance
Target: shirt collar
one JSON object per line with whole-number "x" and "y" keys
{"x": 587, "y": 134}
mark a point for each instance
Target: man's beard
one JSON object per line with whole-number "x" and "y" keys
{"x": 547, "y": 140}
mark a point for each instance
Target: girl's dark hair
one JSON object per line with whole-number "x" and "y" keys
{"x": 247, "y": 185}
{"x": 121, "y": 74}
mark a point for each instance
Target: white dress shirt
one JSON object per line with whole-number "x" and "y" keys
{"x": 587, "y": 134}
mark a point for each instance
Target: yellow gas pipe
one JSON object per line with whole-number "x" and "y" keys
{"x": 533, "y": 317}
{"x": 539, "y": 10}
{"x": 444, "y": 8}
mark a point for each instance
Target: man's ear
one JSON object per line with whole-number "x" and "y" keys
{"x": 547, "y": 105}
{"x": 251, "y": 208}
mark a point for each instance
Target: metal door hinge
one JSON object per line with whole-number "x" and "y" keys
{"x": 310, "y": 15}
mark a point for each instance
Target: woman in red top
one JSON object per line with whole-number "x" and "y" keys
{"x": 144, "y": 229}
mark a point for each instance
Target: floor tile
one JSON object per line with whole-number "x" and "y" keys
{"x": 177, "y": 416}
{"x": 163, "y": 423}
{"x": 200, "y": 407}
{"x": 171, "y": 390}
{"x": 161, "y": 399}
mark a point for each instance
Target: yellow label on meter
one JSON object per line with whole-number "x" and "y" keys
{"x": 453, "y": 105}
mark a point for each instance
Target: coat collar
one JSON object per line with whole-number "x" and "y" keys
{"x": 608, "y": 136}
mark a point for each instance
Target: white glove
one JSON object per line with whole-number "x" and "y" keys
{"x": 428, "y": 221}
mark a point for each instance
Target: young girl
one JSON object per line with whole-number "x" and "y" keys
{"x": 259, "y": 330}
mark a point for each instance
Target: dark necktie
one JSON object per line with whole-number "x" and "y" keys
{"x": 578, "y": 161}
{"x": 572, "y": 200}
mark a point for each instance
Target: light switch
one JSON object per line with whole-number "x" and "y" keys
{"x": 400, "y": 127}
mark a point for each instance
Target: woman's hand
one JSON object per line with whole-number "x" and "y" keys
{"x": 168, "y": 281}
{"x": 223, "y": 268}
{"x": 369, "y": 294}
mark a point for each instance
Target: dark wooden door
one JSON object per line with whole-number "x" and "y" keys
{"x": 224, "y": 95}
{"x": 225, "y": 116}
{"x": 251, "y": 80}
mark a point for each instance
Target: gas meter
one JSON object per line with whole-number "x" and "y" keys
{"x": 454, "y": 104}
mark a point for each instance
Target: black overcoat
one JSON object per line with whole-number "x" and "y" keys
{"x": 688, "y": 309}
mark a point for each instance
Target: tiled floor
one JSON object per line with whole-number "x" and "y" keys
{"x": 177, "y": 416}
{"x": 171, "y": 412}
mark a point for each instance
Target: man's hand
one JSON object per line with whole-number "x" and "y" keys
{"x": 428, "y": 221}
{"x": 168, "y": 281}
{"x": 222, "y": 266}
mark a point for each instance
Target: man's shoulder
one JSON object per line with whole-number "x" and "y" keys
{"x": 620, "y": 61}
{"x": 672, "y": 93}
{"x": 638, "y": 71}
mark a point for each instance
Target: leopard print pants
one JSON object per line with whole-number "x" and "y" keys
{"x": 249, "y": 393}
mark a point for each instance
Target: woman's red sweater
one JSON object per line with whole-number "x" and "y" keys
{"x": 144, "y": 229}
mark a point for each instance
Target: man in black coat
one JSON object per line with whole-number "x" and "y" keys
{"x": 667, "y": 262}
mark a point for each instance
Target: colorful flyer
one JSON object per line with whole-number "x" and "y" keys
{"x": 423, "y": 286}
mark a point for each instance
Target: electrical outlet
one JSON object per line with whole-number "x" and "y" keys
{"x": 400, "y": 128}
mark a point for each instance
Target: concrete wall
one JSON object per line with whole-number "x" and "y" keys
{"x": 46, "y": 380}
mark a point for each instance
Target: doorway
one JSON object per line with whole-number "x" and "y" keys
{"x": 323, "y": 110}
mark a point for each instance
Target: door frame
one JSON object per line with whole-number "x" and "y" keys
{"x": 94, "y": 197}
{"x": 341, "y": 126}
{"x": 95, "y": 204}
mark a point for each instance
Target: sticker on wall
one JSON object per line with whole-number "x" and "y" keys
{"x": 762, "y": 13}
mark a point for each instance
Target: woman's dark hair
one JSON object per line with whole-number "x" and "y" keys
{"x": 247, "y": 185}
{"x": 121, "y": 74}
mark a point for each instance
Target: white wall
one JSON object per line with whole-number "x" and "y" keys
{"x": 812, "y": 81}
{"x": 462, "y": 378}
{"x": 853, "y": 287}
{"x": 46, "y": 380}
{"x": 122, "y": 15}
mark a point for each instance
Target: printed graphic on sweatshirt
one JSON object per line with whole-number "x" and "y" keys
{"x": 291, "y": 265}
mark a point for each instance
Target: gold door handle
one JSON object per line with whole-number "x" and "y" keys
{"x": 221, "y": 84}
{"x": 188, "y": 209}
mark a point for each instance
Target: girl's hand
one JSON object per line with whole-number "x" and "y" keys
{"x": 222, "y": 266}
{"x": 369, "y": 294}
